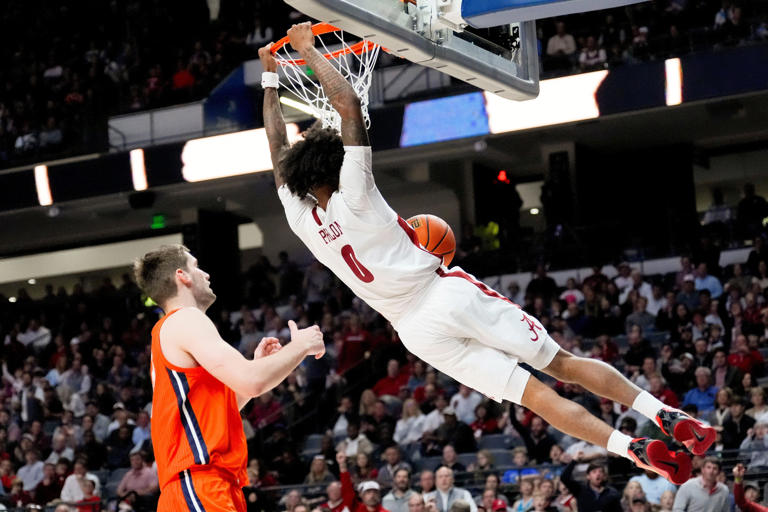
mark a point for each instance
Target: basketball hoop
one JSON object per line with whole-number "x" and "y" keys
{"x": 354, "y": 61}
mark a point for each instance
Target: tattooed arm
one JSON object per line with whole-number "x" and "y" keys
{"x": 339, "y": 92}
{"x": 273, "y": 117}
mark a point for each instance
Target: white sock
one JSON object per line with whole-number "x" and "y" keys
{"x": 647, "y": 405}
{"x": 618, "y": 444}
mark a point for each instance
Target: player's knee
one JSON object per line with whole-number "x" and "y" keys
{"x": 558, "y": 368}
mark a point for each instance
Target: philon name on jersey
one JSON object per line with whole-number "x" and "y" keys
{"x": 331, "y": 233}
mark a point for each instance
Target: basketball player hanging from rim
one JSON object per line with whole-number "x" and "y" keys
{"x": 446, "y": 317}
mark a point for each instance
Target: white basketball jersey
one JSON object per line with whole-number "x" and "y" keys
{"x": 362, "y": 240}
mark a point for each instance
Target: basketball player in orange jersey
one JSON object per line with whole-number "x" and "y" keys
{"x": 200, "y": 383}
{"x": 446, "y": 317}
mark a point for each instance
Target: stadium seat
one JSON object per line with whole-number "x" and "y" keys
{"x": 658, "y": 337}
{"x": 467, "y": 458}
{"x": 501, "y": 458}
{"x": 103, "y": 476}
{"x": 427, "y": 463}
{"x": 313, "y": 442}
{"x": 499, "y": 442}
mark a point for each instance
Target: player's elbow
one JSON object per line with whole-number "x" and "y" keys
{"x": 348, "y": 105}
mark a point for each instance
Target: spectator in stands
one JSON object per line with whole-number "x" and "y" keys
{"x": 392, "y": 382}
{"x": 754, "y": 447}
{"x": 724, "y": 375}
{"x": 393, "y": 463}
{"x": 745, "y": 359}
{"x": 464, "y": 403}
{"x": 49, "y": 488}
{"x": 141, "y": 479}
{"x": 525, "y": 501}
{"x": 703, "y": 395}
{"x": 266, "y": 411}
{"x": 560, "y": 49}
{"x": 639, "y": 349}
{"x": 542, "y": 285}
{"x": 453, "y": 432}
{"x": 378, "y": 426}
{"x": 355, "y": 442}
{"x": 745, "y": 493}
{"x": 705, "y": 281}
{"x": 31, "y": 473}
{"x": 722, "y": 408}
{"x": 398, "y": 499}
{"x": 759, "y": 409}
{"x": 642, "y": 376}
{"x": 736, "y": 425}
{"x": 17, "y": 496}
{"x": 482, "y": 466}
{"x": 446, "y": 494}
{"x": 416, "y": 503}
{"x": 369, "y": 499}
{"x": 483, "y": 423}
{"x": 594, "y": 494}
{"x": 688, "y": 296}
{"x": 363, "y": 469}
{"x": 592, "y": 57}
{"x": 142, "y": 430}
{"x": 653, "y": 486}
{"x": 637, "y": 283}
{"x": 60, "y": 449}
{"x": 659, "y": 389}
{"x": 410, "y": 426}
{"x": 583, "y": 453}
{"x": 450, "y": 460}
{"x": 335, "y": 503}
{"x": 537, "y": 440}
{"x": 703, "y": 493}
{"x": 318, "y": 472}
{"x": 73, "y": 491}
{"x": 740, "y": 281}
{"x": 427, "y": 481}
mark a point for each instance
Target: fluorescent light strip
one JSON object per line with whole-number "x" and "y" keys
{"x": 298, "y": 105}
{"x": 43, "y": 186}
{"x": 674, "y": 81}
{"x": 560, "y": 100}
{"x": 232, "y": 154}
{"x": 138, "y": 170}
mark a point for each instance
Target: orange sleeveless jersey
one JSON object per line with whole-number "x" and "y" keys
{"x": 195, "y": 420}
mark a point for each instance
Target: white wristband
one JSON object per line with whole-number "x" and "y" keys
{"x": 269, "y": 79}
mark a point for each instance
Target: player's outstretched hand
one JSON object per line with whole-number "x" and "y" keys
{"x": 267, "y": 347}
{"x": 268, "y": 61}
{"x": 311, "y": 338}
{"x": 738, "y": 472}
{"x": 301, "y": 36}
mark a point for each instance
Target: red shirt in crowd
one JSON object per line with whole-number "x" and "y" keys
{"x": 356, "y": 343}
{"x": 667, "y": 397}
{"x": 268, "y": 413}
{"x": 349, "y": 496}
{"x": 183, "y": 79}
{"x": 389, "y": 386}
{"x": 745, "y": 362}
{"x": 742, "y": 503}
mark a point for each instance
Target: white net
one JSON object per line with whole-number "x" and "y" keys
{"x": 354, "y": 61}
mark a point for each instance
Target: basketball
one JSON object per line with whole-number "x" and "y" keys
{"x": 435, "y": 235}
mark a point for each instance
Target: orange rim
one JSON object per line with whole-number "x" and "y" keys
{"x": 320, "y": 29}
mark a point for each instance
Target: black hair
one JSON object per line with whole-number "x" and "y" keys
{"x": 314, "y": 161}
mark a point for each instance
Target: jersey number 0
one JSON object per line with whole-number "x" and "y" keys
{"x": 358, "y": 268}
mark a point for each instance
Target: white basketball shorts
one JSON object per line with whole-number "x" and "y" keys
{"x": 472, "y": 333}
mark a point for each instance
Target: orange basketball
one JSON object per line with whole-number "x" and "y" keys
{"x": 435, "y": 235}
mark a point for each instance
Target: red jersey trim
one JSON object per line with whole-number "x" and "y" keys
{"x": 483, "y": 287}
